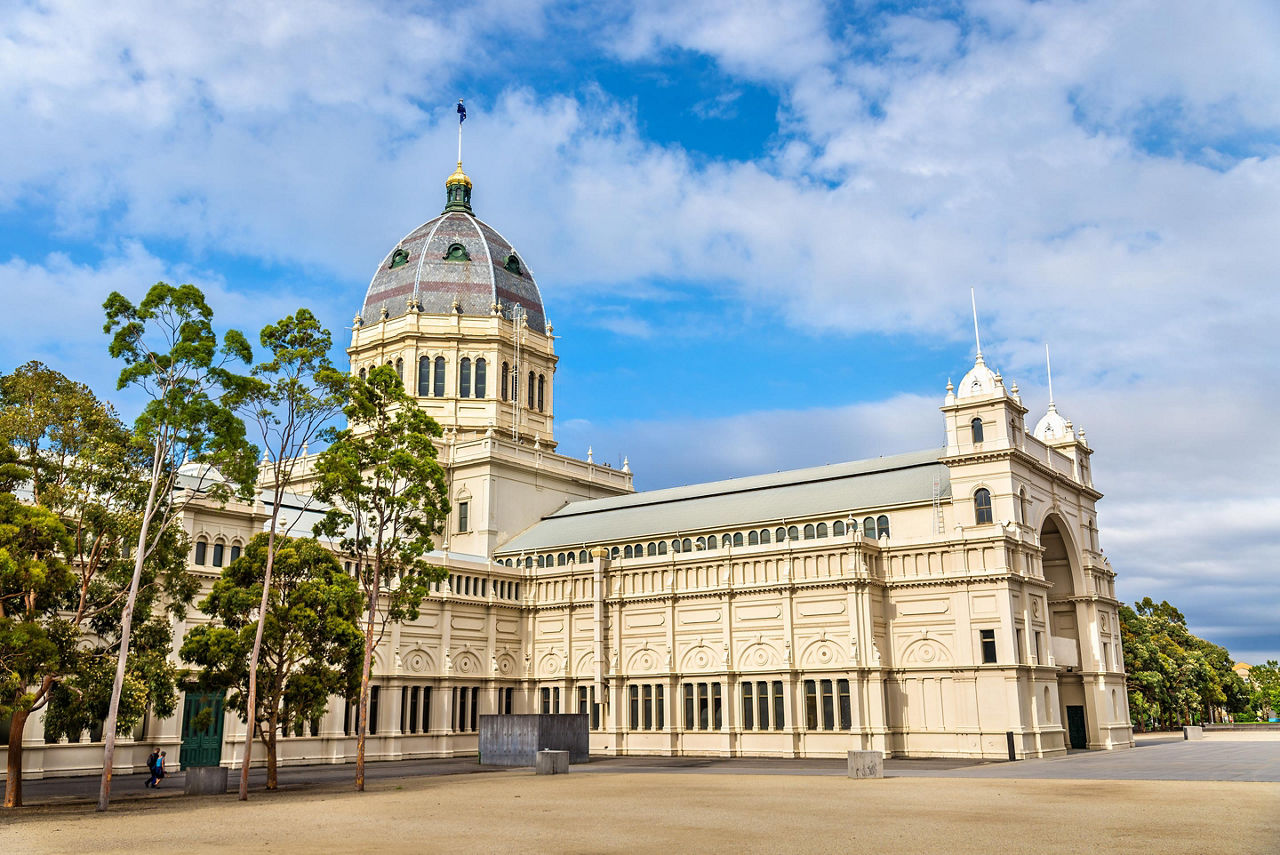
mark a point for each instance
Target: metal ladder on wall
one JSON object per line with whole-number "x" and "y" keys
{"x": 938, "y": 522}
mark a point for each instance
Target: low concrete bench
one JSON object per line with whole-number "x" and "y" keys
{"x": 205, "y": 780}
{"x": 552, "y": 762}
{"x": 1192, "y": 731}
{"x": 866, "y": 764}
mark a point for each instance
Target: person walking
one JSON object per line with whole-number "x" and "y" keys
{"x": 159, "y": 770}
{"x": 152, "y": 761}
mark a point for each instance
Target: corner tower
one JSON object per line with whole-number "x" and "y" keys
{"x": 456, "y": 311}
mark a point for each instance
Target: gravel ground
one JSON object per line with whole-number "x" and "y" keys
{"x": 516, "y": 811}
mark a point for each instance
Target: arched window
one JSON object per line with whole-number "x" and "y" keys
{"x": 506, "y": 369}
{"x": 235, "y": 551}
{"x": 424, "y": 377}
{"x": 400, "y": 370}
{"x": 615, "y": 552}
{"x": 822, "y": 529}
{"x": 764, "y": 536}
{"x": 808, "y": 532}
{"x": 560, "y": 559}
{"x": 582, "y": 557}
{"x": 437, "y": 382}
{"x": 753, "y": 538}
{"x": 639, "y": 550}
{"x": 571, "y": 558}
{"x": 675, "y": 545}
{"x": 882, "y": 526}
{"x": 869, "y": 528}
{"x": 218, "y": 549}
{"x": 725, "y": 540}
{"x": 464, "y": 378}
{"x": 202, "y": 548}
{"x": 793, "y": 533}
{"x": 976, "y": 427}
{"x": 982, "y": 506}
{"x": 531, "y": 389}
{"x": 541, "y": 561}
{"x": 481, "y": 378}
{"x": 528, "y": 562}
{"x": 701, "y": 543}
{"x": 737, "y": 538}
{"x": 542, "y": 383}
{"x": 361, "y": 373}
{"x": 686, "y": 545}
{"x": 662, "y": 547}
{"x": 652, "y": 548}
{"x": 837, "y": 528}
{"x": 780, "y": 534}
{"x": 627, "y": 553}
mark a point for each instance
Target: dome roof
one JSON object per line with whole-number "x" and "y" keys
{"x": 979, "y": 381}
{"x": 1052, "y": 427}
{"x": 455, "y": 262}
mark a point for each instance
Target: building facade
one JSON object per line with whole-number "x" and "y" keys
{"x": 922, "y": 604}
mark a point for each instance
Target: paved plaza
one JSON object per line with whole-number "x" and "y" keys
{"x": 1218, "y": 795}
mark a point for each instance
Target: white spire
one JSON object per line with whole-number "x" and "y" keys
{"x": 1048, "y": 367}
{"x": 973, "y": 301}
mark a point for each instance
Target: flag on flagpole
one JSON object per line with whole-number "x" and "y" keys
{"x": 462, "y": 112}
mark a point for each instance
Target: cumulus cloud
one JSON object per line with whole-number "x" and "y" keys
{"x": 1104, "y": 173}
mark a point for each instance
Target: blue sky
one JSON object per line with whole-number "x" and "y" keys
{"x": 755, "y": 224}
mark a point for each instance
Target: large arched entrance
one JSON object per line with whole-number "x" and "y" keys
{"x": 1062, "y": 569}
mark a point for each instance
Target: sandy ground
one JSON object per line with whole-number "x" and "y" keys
{"x": 517, "y": 811}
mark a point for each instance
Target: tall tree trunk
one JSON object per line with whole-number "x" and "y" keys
{"x": 13, "y": 771}
{"x": 257, "y": 648}
{"x": 126, "y": 626}
{"x": 362, "y": 727}
{"x": 271, "y": 751}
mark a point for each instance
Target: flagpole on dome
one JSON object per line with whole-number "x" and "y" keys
{"x": 462, "y": 117}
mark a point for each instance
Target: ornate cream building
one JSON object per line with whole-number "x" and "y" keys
{"x": 922, "y": 604}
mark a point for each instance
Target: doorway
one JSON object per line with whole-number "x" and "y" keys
{"x": 202, "y": 715}
{"x": 1075, "y": 727}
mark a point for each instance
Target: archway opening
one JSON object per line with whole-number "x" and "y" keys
{"x": 1060, "y": 569}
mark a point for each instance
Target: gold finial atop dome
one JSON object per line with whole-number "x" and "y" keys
{"x": 458, "y": 177}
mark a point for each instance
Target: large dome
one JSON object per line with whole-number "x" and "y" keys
{"x": 454, "y": 263}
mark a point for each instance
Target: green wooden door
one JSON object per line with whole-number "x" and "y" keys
{"x": 202, "y": 714}
{"x": 1075, "y": 727}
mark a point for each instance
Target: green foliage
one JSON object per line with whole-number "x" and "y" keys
{"x": 1174, "y": 677}
{"x": 170, "y": 351}
{"x": 311, "y": 643}
{"x": 388, "y": 494}
{"x": 1264, "y": 695}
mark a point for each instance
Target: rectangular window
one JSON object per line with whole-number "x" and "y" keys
{"x": 464, "y": 516}
{"x": 373, "y": 709}
{"x": 413, "y": 709}
{"x": 634, "y": 721}
{"x": 555, "y": 700}
{"x": 646, "y": 693}
{"x": 546, "y": 700}
{"x": 217, "y": 554}
{"x": 828, "y": 707}
{"x": 508, "y": 701}
{"x": 660, "y": 704}
{"x": 688, "y": 707}
{"x": 988, "y": 637}
{"x": 426, "y": 709}
{"x": 748, "y": 707}
{"x": 582, "y": 700}
{"x": 460, "y": 709}
{"x": 846, "y": 708}
{"x": 704, "y": 708}
{"x": 779, "y": 706}
{"x": 475, "y": 708}
{"x": 1039, "y": 648}
{"x": 1106, "y": 656}
{"x": 717, "y": 708}
{"x": 404, "y": 709}
{"x": 762, "y": 704}
{"x": 1019, "y": 637}
{"x": 201, "y": 549}
{"x": 810, "y": 705}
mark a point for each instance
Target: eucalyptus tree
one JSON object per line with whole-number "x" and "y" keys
{"x": 70, "y": 456}
{"x": 287, "y": 401}
{"x": 171, "y": 354}
{"x": 310, "y": 647}
{"x": 389, "y": 498}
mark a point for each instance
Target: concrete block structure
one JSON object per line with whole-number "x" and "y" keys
{"x": 516, "y": 740}
{"x": 920, "y": 604}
